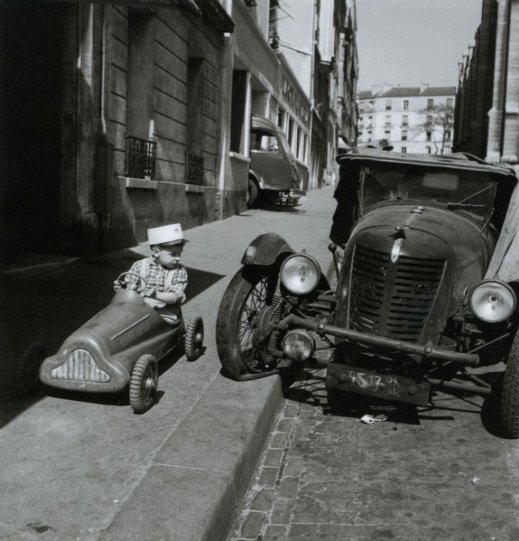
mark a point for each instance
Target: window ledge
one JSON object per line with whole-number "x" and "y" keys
{"x": 196, "y": 188}
{"x": 140, "y": 183}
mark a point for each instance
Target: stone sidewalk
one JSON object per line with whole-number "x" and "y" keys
{"x": 87, "y": 469}
{"x": 426, "y": 475}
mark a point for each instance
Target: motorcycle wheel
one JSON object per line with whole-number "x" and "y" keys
{"x": 248, "y": 298}
{"x": 508, "y": 394}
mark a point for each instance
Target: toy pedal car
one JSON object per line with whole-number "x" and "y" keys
{"x": 120, "y": 347}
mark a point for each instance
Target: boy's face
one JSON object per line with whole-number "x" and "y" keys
{"x": 168, "y": 256}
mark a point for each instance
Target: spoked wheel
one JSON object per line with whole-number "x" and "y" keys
{"x": 27, "y": 368}
{"x": 194, "y": 339}
{"x": 143, "y": 383}
{"x": 249, "y": 304}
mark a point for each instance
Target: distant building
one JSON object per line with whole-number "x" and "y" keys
{"x": 410, "y": 119}
{"x": 486, "y": 120}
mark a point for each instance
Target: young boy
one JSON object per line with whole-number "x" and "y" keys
{"x": 166, "y": 278}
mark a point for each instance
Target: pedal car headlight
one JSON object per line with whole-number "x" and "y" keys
{"x": 298, "y": 345}
{"x": 493, "y": 301}
{"x": 300, "y": 274}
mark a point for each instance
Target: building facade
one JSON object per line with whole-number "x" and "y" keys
{"x": 120, "y": 116}
{"x": 487, "y": 112}
{"x": 410, "y": 119}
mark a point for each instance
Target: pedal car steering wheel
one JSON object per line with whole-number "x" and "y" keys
{"x": 125, "y": 285}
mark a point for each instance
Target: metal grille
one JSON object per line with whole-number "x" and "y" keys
{"x": 80, "y": 366}
{"x": 194, "y": 169}
{"x": 392, "y": 299}
{"x": 140, "y": 158}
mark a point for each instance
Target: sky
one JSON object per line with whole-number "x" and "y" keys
{"x": 409, "y": 42}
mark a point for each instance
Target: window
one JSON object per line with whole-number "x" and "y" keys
{"x": 428, "y": 136}
{"x": 387, "y": 133}
{"x": 239, "y": 92}
{"x": 430, "y": 103}
{"x": 387, "y": 121}
{"x": 405, "y": 120}
{"x": 450, "y": 102}
{"x": 140, "y": 147}
{"x": 406, "y": 105}
{"x": 388, "y": 105}
{"x": 428, "y": 149}
{"x": 281, "y": 118}
{"x": 404, "y": 135}
{"x": 290, "y": 132}
{"x": 403, "y": 150}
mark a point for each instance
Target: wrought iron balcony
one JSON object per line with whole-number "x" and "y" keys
{"x": 194, "y": 169}
{"x": 141, "y": 155}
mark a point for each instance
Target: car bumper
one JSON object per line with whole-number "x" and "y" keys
{"x": 381, "y": 342}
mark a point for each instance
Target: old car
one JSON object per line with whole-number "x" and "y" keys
{"x": 116, "y": 350}
{"x": 273, "y": 171}
{"x": 427, "y": 271}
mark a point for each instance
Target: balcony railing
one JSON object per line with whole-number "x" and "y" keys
{"x": 141, "y": 155}
{"x": 194, "y": 169}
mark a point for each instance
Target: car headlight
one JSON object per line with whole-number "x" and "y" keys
{"x": 300, "y": 274}
{"x": 298, "y": 345}
{"x": 493, "y": 301}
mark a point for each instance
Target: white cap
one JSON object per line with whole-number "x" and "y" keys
{"x": 166, "y": 234}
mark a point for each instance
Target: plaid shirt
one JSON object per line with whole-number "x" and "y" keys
{"x": 165, "y": 280}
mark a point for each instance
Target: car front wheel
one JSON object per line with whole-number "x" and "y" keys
{"x": 508, "y": 394}
{"x": 143, "y": 383}
{"x": 248, "y": 306}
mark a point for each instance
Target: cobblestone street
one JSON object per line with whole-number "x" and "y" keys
{"x": 433, "y": 475}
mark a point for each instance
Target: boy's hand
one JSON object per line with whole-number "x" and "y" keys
{"x": 117, "y": 285}
{"x": 148, "y": 291}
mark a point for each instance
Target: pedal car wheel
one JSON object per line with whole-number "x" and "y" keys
{"x": 244, "y": 309}
{"x": 143, "y": 383}
{"x": 194, "y": 339}
{"x": 26, "y": 371}
{"x": 508, "y": 394}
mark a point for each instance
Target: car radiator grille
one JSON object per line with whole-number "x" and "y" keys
{"x": 80, "y": 366}
{"x": 392, "y": 299}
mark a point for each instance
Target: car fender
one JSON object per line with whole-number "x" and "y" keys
{"x": 266, "y": 249}
{"x": 257, "y": 179}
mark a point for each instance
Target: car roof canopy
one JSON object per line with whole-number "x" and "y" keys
{"x": 457, "y": 161}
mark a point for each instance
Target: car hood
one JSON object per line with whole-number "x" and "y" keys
{"x": 463, "y": 235}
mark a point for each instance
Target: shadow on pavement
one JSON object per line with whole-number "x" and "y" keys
{"x": 48, "y": 307}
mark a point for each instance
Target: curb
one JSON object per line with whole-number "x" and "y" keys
{"x": 204, "y": 467}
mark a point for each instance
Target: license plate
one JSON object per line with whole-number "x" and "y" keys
{"x": 390, "y": 387}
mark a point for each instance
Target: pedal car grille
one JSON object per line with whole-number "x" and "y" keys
{"x": 80, "y": 366}
{"x": 392, "y": 299}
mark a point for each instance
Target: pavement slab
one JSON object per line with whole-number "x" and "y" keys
{"x": 84, "y": 468}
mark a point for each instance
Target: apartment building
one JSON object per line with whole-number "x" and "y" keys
{"x": 410, "y": 119}
{"x": 123, "y": 115}
{"x": 487, "y": 120}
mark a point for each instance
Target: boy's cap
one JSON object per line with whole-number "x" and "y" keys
{"x": 166, "y": 235}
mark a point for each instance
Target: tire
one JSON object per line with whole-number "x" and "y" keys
{"x": 248, "y": 296}
{"x": 507, "y": 399}
{"x": 194, "y": 339}
{"x": 143, "y": 383}
{"x": 253, "y": 193}
{"x": 27, "y": 368}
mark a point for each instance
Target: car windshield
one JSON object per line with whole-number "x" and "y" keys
{"x": 457, "y": 190}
